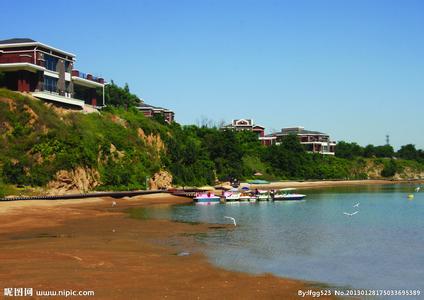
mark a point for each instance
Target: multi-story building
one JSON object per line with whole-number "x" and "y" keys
{"x": 246, "y": 124}
{"x": 314, "y": 141}
{"x": 48, "y": 73}
{"x": 150, "y": 111}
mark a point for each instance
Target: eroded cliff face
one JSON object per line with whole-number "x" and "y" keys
{"x": 161, "y": 180}
{"x": 152, "y": 140}
{"x": 409, "y": 173}
{"x": 79, "y": 180}
{"x": 373, "y": 169}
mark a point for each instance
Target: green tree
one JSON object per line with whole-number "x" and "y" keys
{"x": 289, "y": 159}
{"x": 348, "y": 150}
{"x": 120, "y": 97}
{"x": 369, "y": 151}
{"x": 384, "y": 151}
{"x": 13, "y": 172}
{"x": 390, "y": 168}
{"x": 408, "y": 152}
{"x": 225, "y": 151}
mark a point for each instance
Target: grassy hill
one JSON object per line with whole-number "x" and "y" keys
{"x": 116, "y": 149}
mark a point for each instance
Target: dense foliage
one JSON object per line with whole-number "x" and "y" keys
{"x": 126, "y": 148}
{"x": 120, "y": 97}
{"x": 352, "y": 150}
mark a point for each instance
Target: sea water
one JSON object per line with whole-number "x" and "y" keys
{"x": 380, "y": 247}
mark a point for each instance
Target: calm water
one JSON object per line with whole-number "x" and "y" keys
{"x": 381, "y": 247}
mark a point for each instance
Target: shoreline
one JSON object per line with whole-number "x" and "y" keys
{"x": 330, "y": 183}
{"x": 93, "y": 245}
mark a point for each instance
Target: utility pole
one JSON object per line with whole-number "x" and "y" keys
{"x": 387, "y": 139}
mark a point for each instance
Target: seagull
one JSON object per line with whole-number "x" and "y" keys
{"x": 351, "y": 214}
{"x": 231, "y": 218}
{"x": 113, "y": 203}
{"x": 357, "y": 204}
{"x": 417, "y": 189}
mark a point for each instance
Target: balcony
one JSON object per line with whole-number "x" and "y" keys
{"x": 66, "y": 99}
{"x": 10, "y": 62}
{"x": 16, "y": 58}
{"x": 87, "y": 76}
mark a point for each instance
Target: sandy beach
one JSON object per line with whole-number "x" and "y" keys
{"x": 93, "y": 245}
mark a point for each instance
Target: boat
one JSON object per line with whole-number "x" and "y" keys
{"x": 286, "y": 195}
{"x": 232, "y": 196}
{"x": 206, "y": 198}
{"x": 263, "y": 195}
{"x": 247, "y": 197}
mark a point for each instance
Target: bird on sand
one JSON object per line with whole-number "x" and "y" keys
{"x": 231, "y": 218}
{"x": 113, "y": 203}
{"x": 351, "y": 214}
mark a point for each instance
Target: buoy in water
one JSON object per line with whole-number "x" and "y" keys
{"x": 410, "y": 196}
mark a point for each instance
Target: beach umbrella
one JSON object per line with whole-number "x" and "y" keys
{"x": 258, "y": 174}
{"x": 245, "y": 188}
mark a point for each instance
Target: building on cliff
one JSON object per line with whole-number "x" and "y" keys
{"x": 48, "y": 73}
{"x": 245, "y": 124}
{"x": 151, "y": 111}
{"x": 313, "y": 141}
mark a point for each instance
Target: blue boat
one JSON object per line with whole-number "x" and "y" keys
{"x": 206, "y": 198}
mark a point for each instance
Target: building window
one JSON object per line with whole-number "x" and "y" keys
{"x": 67, "y": 66}
{"x": 50, "y": 62}
{"x": 50, "y": 84}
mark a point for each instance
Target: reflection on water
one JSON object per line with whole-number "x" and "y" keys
{"x": 381, "y": 247}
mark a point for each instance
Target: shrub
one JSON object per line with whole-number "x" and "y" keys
{"x": 390, "y": 168}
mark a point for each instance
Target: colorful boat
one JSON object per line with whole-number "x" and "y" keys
{"x": 247, "y": 197}
{"x": 263, "y": 195}
{"x": 231, "y": 196}
{"x": 206, "y": 198}
{"x": 285, "y": 195}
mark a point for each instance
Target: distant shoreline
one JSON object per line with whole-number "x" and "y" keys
{"x": 330, "y": 183}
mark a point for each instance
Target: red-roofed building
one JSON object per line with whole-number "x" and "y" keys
{"x": 246, "y": 124}
{"x": 48, "y": 73}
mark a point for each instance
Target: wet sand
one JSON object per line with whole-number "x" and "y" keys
{"x": 92, "y": 245}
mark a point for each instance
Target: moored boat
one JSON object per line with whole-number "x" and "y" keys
{"x": 263, "y": 195}
{"x": 285, "y": 195}
{"x": 247, "y": 197}
{"x": 206, "y": 198}
{"x": 231, "y": 196}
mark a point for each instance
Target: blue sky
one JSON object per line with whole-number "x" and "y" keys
{"x": 353, "y": 69}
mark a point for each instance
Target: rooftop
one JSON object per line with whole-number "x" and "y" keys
{"x": 17, "y": 41}
{"x": 148, "y": 106}
{"x": 299, "y": 130}
{"x": 10, "y": 43}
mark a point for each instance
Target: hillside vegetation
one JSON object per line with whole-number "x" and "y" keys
{"x": 121, "y": 149}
